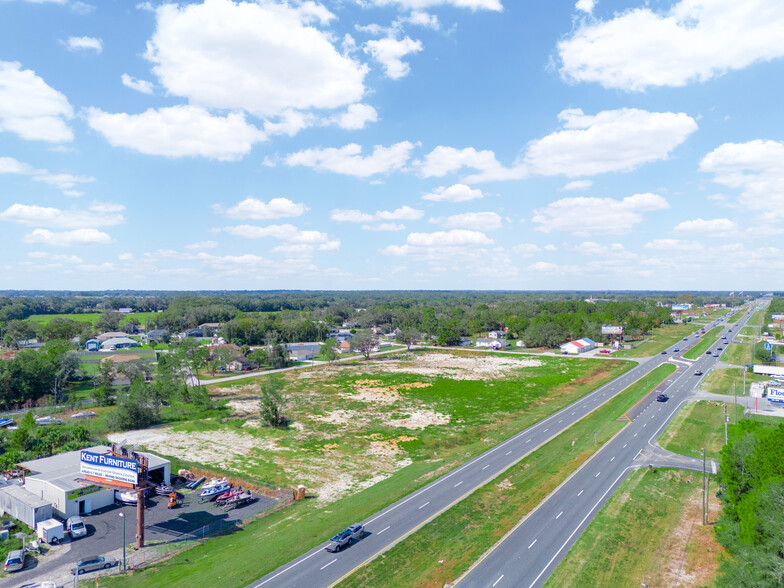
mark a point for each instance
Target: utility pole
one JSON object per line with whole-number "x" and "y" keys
{"x": 703, "y": 487}
{"x": 725, "y": 423}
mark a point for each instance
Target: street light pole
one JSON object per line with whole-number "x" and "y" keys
{"x": 122, "y": 516}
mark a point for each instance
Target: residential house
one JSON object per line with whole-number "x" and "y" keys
{"x": 156, "y": 335}
{"x": 344, "y": 347}
{"x": 520, "y": 343}
{"x": 197, "y": 332}
{"x": 235, "y": 348}
{"x": 209, "y": 329}
{"x": 118, "y": 378}
{"x": 302, "y": 351}
{"x": 496, "y": 334}
{"x": 111, "y": 335}
{"x": 239, "y": 365}
{"x": 465, "y": 342}
{"x": 301, "y": 354}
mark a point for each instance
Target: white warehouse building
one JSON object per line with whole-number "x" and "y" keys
{"x": 579, "y": 346}
{"x": 58, "y": 480}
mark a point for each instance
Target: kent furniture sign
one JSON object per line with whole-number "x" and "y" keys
{"x": 101, "y": 467}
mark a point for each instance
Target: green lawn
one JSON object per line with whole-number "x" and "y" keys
{"x": 491, "y": 408}
{"x": 697, "y": 425}
{"x": 708, "y": 339}
{"x": 737, "y": 354}
{"x": 737, "y": 316}
{"x": 649, "y": 528}
{"x": 756, "y": 319}
{"x": 91, "y": 317}
{"x": 661, "y": 339}
{"x": 730, "y": 381}
{"x": 461, "y": 534}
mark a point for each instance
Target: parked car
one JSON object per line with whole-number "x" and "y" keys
{"x": 92, "y": 563}
{"x": 76, "y": 527}
{"x": 662, "y": 398}
{"x": 685, "y": 338}
{"x": 664, "y": 353}
{"x": 40, "y": 585}
{"x": 604, "y": 351}
{"x": 339, "y": 541}
{"x": 676, "y": 350}
{"x": 15, "y": 561}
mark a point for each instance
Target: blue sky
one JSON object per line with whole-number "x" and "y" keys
{"x": 392, "y": 144}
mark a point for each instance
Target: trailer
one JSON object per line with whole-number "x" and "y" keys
{"x": 50, "y": 531}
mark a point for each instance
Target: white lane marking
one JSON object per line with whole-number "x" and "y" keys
{"x": 528, "y": 441}
{"x": 498, "y": 580}
{"x": 560, "y": 421}
{"x": 507, "y": 453}
{"x": 597, "y": 475}
{"x": 580, "y": 492}
{"x": 635, "y": 434}
{"x": 612, "y": 458}
{"x": 549, "y": 563}
{"x": 545, "y": 430}
{"x": 424, "y": 505}
{"x": 643, "y": 426}
{"x": 487, "y": 466}
{"x": 456, "y": 485}
{"x": 559, "y": 515}
{"x": 288, "y": 568}
{"x": 532, "y": 544}
{"x": 330, "y": 563}
{"x": 382, "y": 530}
{"x": 624, "y": 445}
{"x": 574, "y": 411}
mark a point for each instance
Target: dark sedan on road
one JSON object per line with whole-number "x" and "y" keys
{"x": 662, "y": 398}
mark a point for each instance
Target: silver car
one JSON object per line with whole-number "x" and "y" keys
{"x": 339, "y": 541}
{"x": 15, "y": 561}
{"x": 92, "y": 563}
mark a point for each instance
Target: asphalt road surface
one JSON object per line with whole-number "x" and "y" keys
{"x": 529, "y": 553}
{"x": 318, "y": 567}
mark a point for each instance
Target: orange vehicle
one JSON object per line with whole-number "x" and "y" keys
{"x": 174, "y": 501}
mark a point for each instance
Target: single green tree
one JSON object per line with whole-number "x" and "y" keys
{"x": 272, "y": 402}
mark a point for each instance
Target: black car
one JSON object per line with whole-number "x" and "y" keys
{"x": 662, "y": 398}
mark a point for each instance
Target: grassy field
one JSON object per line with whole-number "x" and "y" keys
{"x": 440, "y": 551}
{"x": 737, "y": 316}
{"x": 91, "y": 317}
{"x": 697, "y": 425}
{"x": 660, "y": 340}
{"x": 736, "y": 354}
{"x": 649, "y": 533}
{"x": 708, "y": 339}
{"x": 756, "y": 319}
{"x": 730, "y": 381}
{"x": 493, "y": 407}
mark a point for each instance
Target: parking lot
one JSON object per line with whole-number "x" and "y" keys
{"x": 105, "y": 533}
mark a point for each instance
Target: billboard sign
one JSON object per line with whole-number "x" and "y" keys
{"x": 776, "y": 394}
{"x": 778, "y": 317}
{"x": 102, "y": 467}
{"x": 768, "y": 346}
{"x": 681, "y": 306}
{"x": 611, "y": 330}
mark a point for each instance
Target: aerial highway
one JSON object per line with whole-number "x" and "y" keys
{"x": 318, "y": 567}
{"x": 529, "y": 553}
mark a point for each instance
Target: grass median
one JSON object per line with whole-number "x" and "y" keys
{"x": 698, "y": 424}
{"x": 497, "y": 407}
{"x": 441, "y": 550}
{"x": 661, "y": 339}
{"x": 708, "y": 339}
{"x": 649, "y": 533}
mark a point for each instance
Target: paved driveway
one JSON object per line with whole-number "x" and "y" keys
{"x": 105, "y": 533}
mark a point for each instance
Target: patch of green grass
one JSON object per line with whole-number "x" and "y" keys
{"x": 737, "y": 316}
{"x": 697, "y": 425}
{"x": 461, "y": 534}
{"x": 630, "y": 541}
{"x": 756, "y": 318}
{"x": 708, "y": 339}
{"x": 661, "y": 339}
{"x": 737, "y": 354}
{"x": 730, "y": 381}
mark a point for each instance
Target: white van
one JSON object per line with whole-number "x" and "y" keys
{"x": 76, "y": 527}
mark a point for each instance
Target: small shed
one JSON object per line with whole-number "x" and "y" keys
{"x": 24, "y": 506}
{"x": 92, "y": 345}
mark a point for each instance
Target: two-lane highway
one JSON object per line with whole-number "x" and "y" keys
{"x": 527, "y": 556}
{"x": 318, "y": 567}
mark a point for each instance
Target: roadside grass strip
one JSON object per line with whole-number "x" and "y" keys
{"x": 440, "y": 551}
{"x": 649, "y": 533}
{"x": 661, "y": 339}
{"x": 262, "y": 545}
{"x": 737, "y": 354}
{"x": 698, "y": 424}
{"x": 708, "y": 339}
{"x": 730, "y": 381}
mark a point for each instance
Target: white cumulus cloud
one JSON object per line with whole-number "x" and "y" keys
{"x": 356, "y": 116}
{"x": 423, "y": 4}
{"x": 577, "y": 185}
{"x": 389, "y": 52}
{"x": 357, "y": 216}
{"x": 454, "y": 193}
{"x": 255, "y": 209}
{"x": 84, "y": 43}
{"x": 97, "y": 215}
{"x": 30, "y": 108}
{"x": 178, "y": 131}
{"x": 264, "y": 58}
{"x": 68, "y": 238}
{"x": 584, "y": 216}
{"x": 349, "y": 160}
{"x": 693, "y": 40}
{"x": 142, "y": 86}
{"x": 716, "y": 226}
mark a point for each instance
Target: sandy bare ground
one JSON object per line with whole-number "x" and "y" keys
{"x": 459, "y": 367}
